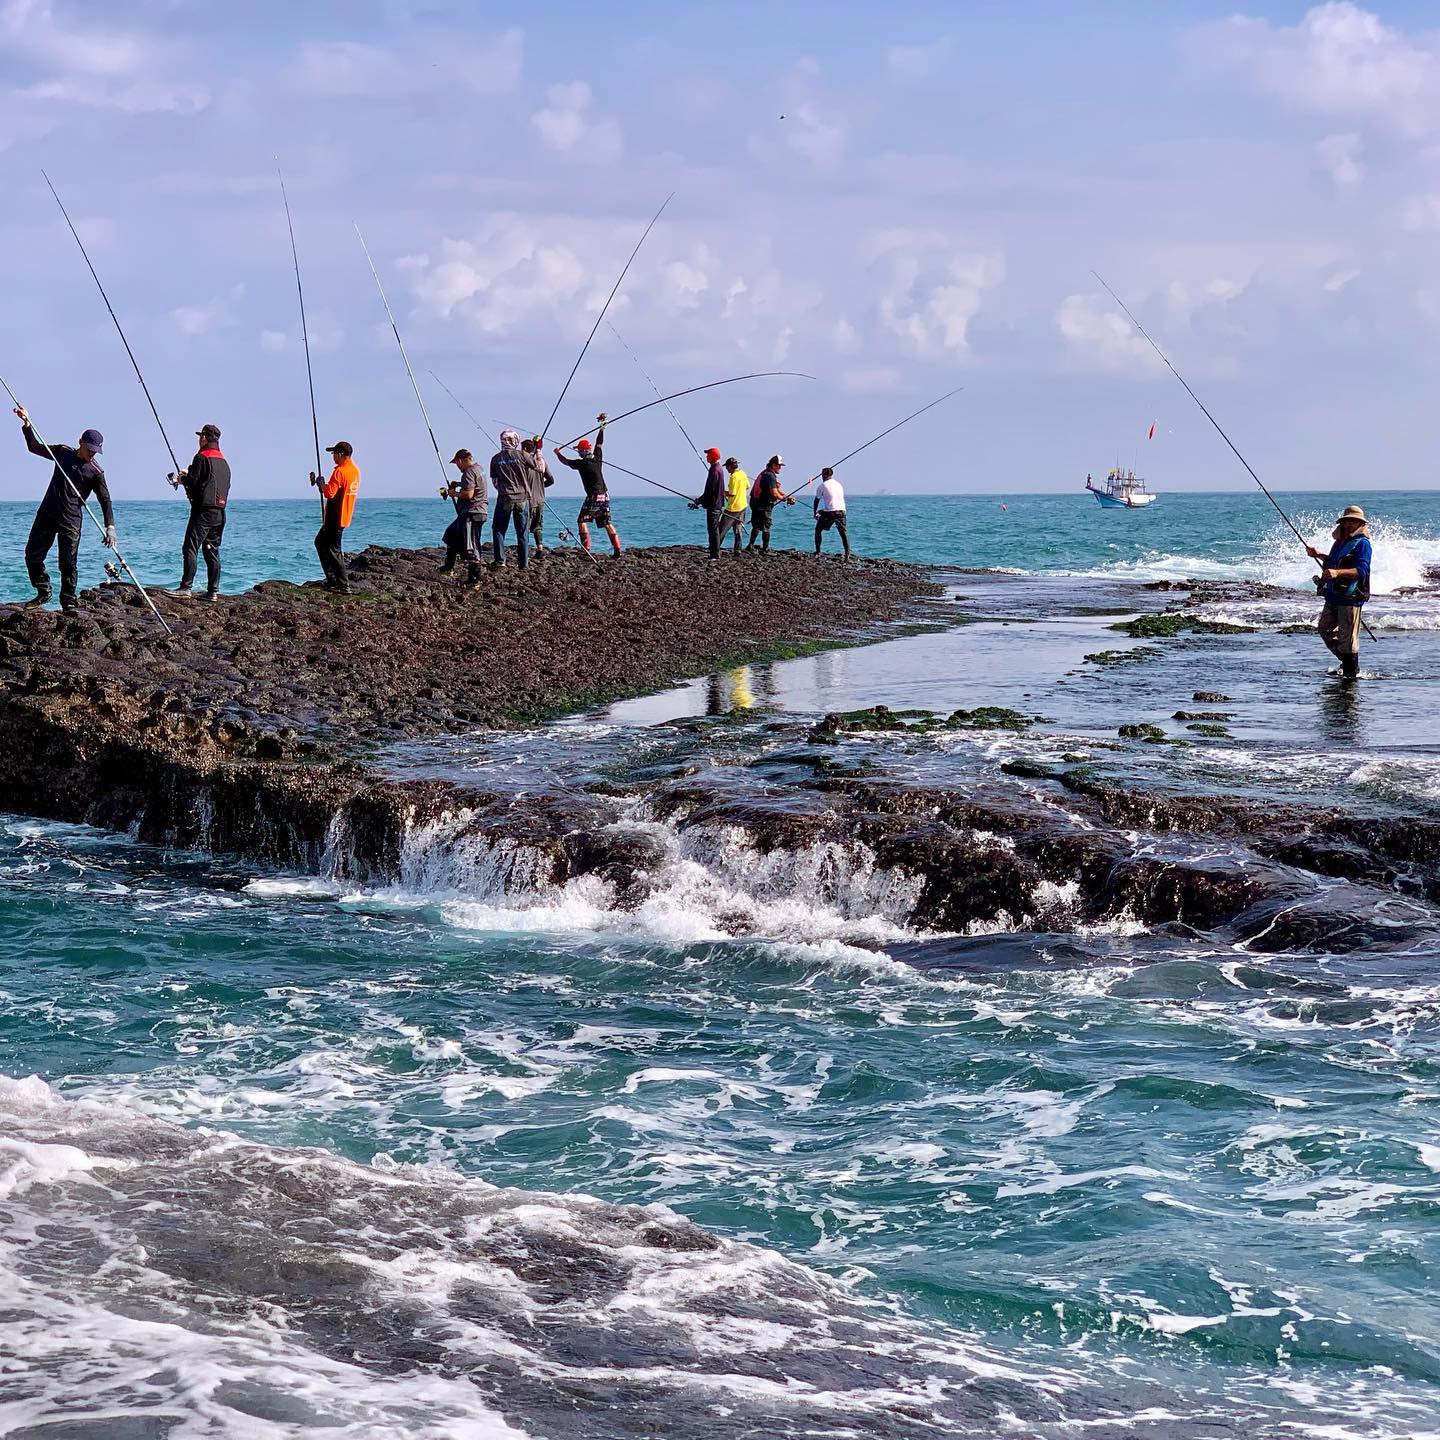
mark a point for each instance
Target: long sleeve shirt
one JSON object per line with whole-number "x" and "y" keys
{"x": 207, "y": 480}
{"x": 61, "y": 502}
{"x": 511, "y": 477}
{"x": 713, "y": 495}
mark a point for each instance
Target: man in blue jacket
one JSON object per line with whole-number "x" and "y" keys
{"x": 1344, "y": 584}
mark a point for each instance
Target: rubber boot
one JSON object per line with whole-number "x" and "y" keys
{"x": 1350, "y": 667}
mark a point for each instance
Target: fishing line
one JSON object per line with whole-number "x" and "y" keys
{"x": 1145, "y": 334}
{"x": 430, "y": 429}
{"x": 601, "y": 315}
{"x": 304, "y": 330}
{"x": 173, "y": 460}
{"x": 85, "y": 505}
{"x": 656, "y": 389}
{"x": 880, "y": 437}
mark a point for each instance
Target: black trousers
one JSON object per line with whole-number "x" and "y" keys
{"x": 465, "y": 535}
{"x": 712, "y": 532}
{"x": 823, "y": 522}
{"x": 760, "y": 519}
{"x": 202, "y": 536}
{"x": 537, "y": 525}
{"x": 43, "y": 534}
{"x": 330, "y": 547}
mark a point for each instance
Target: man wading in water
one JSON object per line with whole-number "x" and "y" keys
{"x": 76, "y": 478}
{"x": 1345, "y": 586}
{"x": 590, "y": 462}
{"x": 207, "y": 487}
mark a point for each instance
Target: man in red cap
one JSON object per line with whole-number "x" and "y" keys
{"x": 590, "y": 462}
{"x": 712, "y": 500}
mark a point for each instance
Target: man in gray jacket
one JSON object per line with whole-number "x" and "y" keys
{"x": 510, "y": 475}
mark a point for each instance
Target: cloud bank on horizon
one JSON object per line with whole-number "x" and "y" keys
{"x": 894, "y": 202}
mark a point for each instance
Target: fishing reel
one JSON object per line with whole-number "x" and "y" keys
{"x": 112, "y": 573}
{"x": 174, "y": 480}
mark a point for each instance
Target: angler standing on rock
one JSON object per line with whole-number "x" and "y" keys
{"x": 1344, "y": 584}
{"x": 712, "y": 500}
{"x": 207, "y": 485}
{"x": 540, "y": 481}
{"x": 590, "y": 462}
{"x": 737, "y": 502}
{"x": 830, "y": 509}
{"x": 339, "y": 493}
{"x": 75, "y": 479}
{"x": 465, "y": 535}
{"x": 511, "y": 477}
{"x": 766, "y": 495}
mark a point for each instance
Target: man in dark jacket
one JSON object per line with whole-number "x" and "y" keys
{"x": 540, "y": 481}
{"x": 75, "y": 479}
{"x": 466, "y": 532}
{"x": 1344, "y": 585}
{"x": 766, "y": 495}
{"x": 511, "y": 476}
{"x": 590, "y": 462}
{"x": 712, "y": 500}
{"x": 207, "y": 484}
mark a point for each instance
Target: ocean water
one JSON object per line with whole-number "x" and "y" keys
{"x": 1205, "y": 536}
{"x": 754, "y": 1154}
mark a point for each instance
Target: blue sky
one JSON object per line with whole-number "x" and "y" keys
{"x": 1263, "y": 186}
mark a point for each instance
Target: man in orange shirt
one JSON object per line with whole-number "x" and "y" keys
{"x": 339, "y": 492}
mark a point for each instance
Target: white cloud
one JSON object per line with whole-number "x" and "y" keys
{"x": 814, "y": 136}
{"x": 930, "y": 295}
{"x": 1339, "y": 59}
{"x": 273, "y": 340}
{"x": 1335, "y": 283}
{"x": 878, "y": 377}
{"x": 1340, "y": 154}
{"x": 197, "y": 319}
{"x": 844, "y": 337}
{"x": 567, "y": 125}
{"x": 351, "y": 69}
{"x": 920, "y": 62}
{"x": 140, "y": 97}
{"x": 1101, "y": 338}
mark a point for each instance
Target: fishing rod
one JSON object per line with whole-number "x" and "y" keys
{"x": 880, "y": 437}
{"x": 694, "y": 389}
{"x": 656, "y": 389}
{"x": 173, "y": 460}
{"x": 435, "y": 444}
{"x": 85, "y": 505}
{"x": 465, "y": 408}
{"x": 601, "y": 315}
{"x": 304, "y": 330}
{"x": 648, "y": 480}
{"x": 1145, "y": 334}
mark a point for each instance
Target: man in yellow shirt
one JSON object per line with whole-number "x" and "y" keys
{"x": 737, "y": 502}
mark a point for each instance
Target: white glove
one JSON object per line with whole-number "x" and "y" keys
{"x": 109, "y": 537}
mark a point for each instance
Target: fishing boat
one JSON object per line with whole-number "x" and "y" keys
{"x": 1123, "y": 490}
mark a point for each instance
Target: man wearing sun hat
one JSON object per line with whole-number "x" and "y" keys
{"x": 1344, "y": 585}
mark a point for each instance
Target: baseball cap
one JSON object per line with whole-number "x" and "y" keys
{"x": 340, "y": 447}
{"x": 777, "y": 459}
{"x": 93, "y": 440}
{"x": 212, "y": 430}
{"x": 460, "y": 455}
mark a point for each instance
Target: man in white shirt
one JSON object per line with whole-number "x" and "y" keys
{"x": 830, "y": 509}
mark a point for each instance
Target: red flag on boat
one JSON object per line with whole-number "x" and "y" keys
{"x": 1153, "y": 424}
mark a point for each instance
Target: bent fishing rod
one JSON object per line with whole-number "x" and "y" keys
{"x": 118, "y": 330}
{"x": 601, "y": 315}
{"x": 304, "y": 330}
{"x": 1150, "y": 340}
{"x": 878, "y": 438}
{"x": 434, "y": 444}
{"x": 679, "y": 394}
{"x": 85, "y": 505}
{"x": 662, "y": 400}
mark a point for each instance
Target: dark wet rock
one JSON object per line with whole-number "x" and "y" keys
{"x": 1210, "y": 729}
{"x": 1171, "y": 623}
{"x": 919, "y": 722}
{"x": 1123, "y": 657}
{"x": 1210, "y": 697}
{"x": 1209, "y": 716}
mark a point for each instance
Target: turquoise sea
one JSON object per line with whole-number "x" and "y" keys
{"x": 284, "y": 1155}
